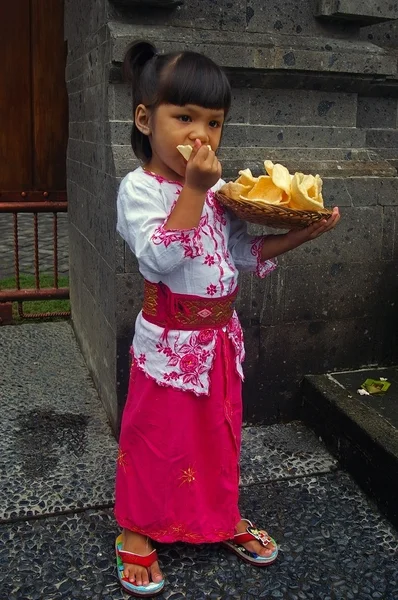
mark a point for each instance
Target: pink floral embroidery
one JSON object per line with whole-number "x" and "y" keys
{"x": 142, "y": 359}
{"x": 209, "y": 260}
{"x": 235, "y": 332}
{"x": 188, "y": 360}
{"x": 205, "y": 336}
{"x": 173, "y": 376}
{"x": 204, "y": 355}
{"x": 160, "y": 178}
{"x": 217, "y": 208}
{"x": 188, "y": 363}
{"x": 263, "y": 266}
{"x": 211, "y": 289}
{"x": 189, "y": 239}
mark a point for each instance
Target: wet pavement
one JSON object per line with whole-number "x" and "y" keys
{"x": 57, "y": 528}
{"x": 26, "y": 244}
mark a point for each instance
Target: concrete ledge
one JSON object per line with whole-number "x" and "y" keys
{"x": 364, "y": 442}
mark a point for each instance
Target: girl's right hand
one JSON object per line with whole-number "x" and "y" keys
{"x": 203, "y": 168}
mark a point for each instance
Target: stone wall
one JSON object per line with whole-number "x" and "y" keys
{"x": 313, "y": 93}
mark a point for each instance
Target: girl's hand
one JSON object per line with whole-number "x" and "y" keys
{"x": 203, "y": 168}
{"x": 316, "y": 229}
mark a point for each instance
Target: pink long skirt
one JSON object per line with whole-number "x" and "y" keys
{"x": 178, "y": 465}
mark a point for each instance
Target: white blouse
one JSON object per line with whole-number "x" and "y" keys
{"x": 203, "y": 261}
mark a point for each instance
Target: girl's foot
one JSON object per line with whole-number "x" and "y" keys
{"x": 139, "y": 544}
{"x": 255, "y": 546}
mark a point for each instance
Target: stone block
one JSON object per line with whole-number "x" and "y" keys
{"x": 76, "y": 130}
{"x": 302, "y": 107}
{"x": 389, "y": 248}
{"x": 74, "y": 69}
{"x": 376, "y": 111}
{"x": 292, "y": 18}
{"x": 129, "y": 299}
{"x": 382, "y": 138}
{"x": 273, "y": 296}
{"x": 123, "y": 160}
{"x": 94, "y": 101}
{"x": 239, "y": 112}
{"x": 334, "y": 163}
{"x": 335, "y": 192}
{"x": 335, "y": 291}
{"x": 287, "y": 136}
{"x": 110, "y": 186}
{"x": 384, "y": 34}
{"x": 95, "y": 273}
{"x": 130, "y": 261}
{"x": 358, "y": 235}
{"x": 332, "y": 58}
{"x": 94, "y": 131}
{"x": 122, "y": 108}
{"x": 250, "y": 366}
{"x": 289, "y": 352}
{"x": 262, "y": 51}
{"x": 250, "y": 301}
{"x": 97, "y": 340}
{"x": 194, "y": 14}
{"x": 373, "y": 190}
{"x": 120, "y": 132}
{"x": 365, "y": 12}
{"x": 76, "y": 106}
{"x": 119, "y": 254}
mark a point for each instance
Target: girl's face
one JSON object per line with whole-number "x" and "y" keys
{"x": 170, "y": 125}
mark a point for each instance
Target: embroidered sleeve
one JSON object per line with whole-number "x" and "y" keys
{"x": 246, "y": 249}
{"x": 141, "y": 219}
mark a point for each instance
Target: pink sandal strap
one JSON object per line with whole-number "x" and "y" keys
{"x": 252, "y": 533}
{"x": 137, "y": 559}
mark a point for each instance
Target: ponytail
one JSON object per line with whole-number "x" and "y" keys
{"x": 137, "y": 55}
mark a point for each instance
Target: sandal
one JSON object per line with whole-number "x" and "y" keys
{"x": 122, "y": 556}
{"x": 252, "y": 533}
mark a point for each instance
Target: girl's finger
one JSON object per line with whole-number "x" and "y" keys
{"x": 204, "y": 152}
{"x": 195, "y": 149}
{"x": 216, "y": 163}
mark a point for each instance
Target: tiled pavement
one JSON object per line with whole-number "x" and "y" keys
{"x": 26, "y": 243}
{"x": 57, "y": 529}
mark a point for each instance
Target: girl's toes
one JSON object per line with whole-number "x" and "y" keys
{"x": 143, "y": 577}
{"x": 156, "y": 574}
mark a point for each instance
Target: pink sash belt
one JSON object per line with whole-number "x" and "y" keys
{"x": 183, "y": 311}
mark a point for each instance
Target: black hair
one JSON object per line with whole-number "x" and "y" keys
{"x": 177, "y": 78}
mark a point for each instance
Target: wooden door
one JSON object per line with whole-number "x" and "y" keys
{"x": 33, "y": 97}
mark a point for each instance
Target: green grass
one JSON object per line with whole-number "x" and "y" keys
{"x": 37, "y": 306}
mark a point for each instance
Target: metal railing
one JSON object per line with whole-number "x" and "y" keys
{"x": 34, "y": 203}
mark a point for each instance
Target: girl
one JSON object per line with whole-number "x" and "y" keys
{"x": 178, "y": 464}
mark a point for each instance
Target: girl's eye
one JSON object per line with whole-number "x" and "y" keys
{"x": 215, "y": 124}
{"x": 184, "y": 118}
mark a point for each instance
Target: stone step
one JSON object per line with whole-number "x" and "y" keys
{"x": 360, "y": 431}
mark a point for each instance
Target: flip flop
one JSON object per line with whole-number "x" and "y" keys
{"x": 122, "y": 556}
{"x": 252, "y": 533}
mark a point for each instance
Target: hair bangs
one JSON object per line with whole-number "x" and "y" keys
{"x": 195, "y": 79}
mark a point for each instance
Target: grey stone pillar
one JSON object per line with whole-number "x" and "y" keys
{"x": 311, "y": 90}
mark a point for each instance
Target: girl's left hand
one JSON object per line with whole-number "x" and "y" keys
{"x": 316, "y": 229}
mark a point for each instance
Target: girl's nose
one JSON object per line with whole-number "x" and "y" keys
{"x": 199, "y": 133}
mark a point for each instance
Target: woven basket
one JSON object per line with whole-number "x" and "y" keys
{"x": 272, "y": 215}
